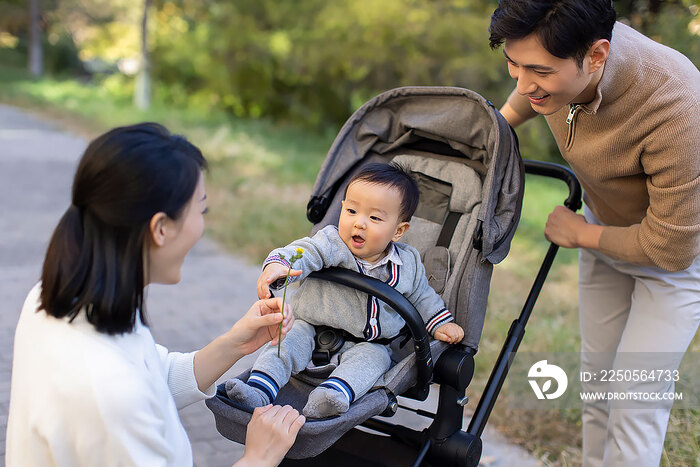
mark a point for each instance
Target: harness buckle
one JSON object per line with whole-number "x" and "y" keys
{"x": 328, "y": 342}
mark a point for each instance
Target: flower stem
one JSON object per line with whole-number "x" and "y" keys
{"x": 284, "y": 296}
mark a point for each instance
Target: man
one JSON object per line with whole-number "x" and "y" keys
{"x": 623, "y": 110}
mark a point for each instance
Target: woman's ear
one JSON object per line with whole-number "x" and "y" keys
{"x": 157, "y": 228}
{"x": 400, "y": 230}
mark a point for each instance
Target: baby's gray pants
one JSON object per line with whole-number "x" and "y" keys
{"x": 360, "y": 365}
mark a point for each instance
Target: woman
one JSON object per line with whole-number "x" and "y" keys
{"x": 89, "y": 384}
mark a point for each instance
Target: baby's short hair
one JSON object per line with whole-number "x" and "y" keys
{"x": 396, "y": 176}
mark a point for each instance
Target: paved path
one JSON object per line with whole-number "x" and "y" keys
{"x": 37, "y": 162}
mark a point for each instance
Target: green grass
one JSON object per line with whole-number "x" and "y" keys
{"x": 260, "y": 179}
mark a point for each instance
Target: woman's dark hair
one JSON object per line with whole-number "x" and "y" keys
{"x": 567, "y": 28}
{"x": 94, "y": 261}
{"x": 395, "y": 176}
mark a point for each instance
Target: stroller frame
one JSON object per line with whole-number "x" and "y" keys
{"x": 455, "y": 125}
{"x": 444, "y": 443}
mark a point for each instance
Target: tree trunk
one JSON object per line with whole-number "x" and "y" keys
{"x": 142, "y": 89}
{"x": 36, "y": 51}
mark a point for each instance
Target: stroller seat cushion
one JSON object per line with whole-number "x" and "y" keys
{"x": 437, "y": 267}
{"x": 454, "y": 233}
{"x": 461, "y": 184}
{"x": 434, "y": 197}
{"x": 316, "y": 435}
{"x": 464, "y": 183}
{"x": 422, "y": 234}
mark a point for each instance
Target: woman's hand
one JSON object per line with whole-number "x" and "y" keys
{"x": 260, "y": 325}
{"x": 271, "y": 432}
{"x": 570, "y": 230}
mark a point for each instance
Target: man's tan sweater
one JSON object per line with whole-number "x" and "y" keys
{"x": 636, "y": 150}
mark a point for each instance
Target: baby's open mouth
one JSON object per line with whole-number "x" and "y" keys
{"x": 357, "y": 239}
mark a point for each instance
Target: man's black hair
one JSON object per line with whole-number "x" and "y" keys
{"x": 395, "y": 176}
{"x": 566, "y": 28}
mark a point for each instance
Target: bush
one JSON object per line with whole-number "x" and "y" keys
{"x": 61, "y": 56}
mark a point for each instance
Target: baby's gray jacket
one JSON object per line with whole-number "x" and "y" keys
{"x": 324, "y": 303}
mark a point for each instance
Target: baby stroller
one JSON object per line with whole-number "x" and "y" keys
{"x": 466, "y": 161}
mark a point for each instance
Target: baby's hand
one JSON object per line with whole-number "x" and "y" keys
{"x": 450, "y": 333}
{"x": 270, "y": 274}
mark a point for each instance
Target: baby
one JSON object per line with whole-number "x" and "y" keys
{"x": 379, "y": 202}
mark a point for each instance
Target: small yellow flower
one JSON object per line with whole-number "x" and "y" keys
{"x": 300, "y": 251}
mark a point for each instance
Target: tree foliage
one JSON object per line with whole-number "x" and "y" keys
{"x": 316, "y": 61}
{"x": 312, "y": 61}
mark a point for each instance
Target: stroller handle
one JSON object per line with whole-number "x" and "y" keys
{"x": 552, "y": 170}
{"x": 405, "y": 309}
{"x": 517, "y": 328}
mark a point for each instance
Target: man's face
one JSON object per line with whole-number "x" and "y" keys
{"x": 549, "y": 82}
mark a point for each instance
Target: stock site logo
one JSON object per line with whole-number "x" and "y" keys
{"x": 542, "y": 370}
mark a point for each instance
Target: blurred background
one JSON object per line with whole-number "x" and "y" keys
{"x": 263, "y": 86}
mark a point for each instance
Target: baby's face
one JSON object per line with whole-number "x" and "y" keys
{"x": 369, "y": 219}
